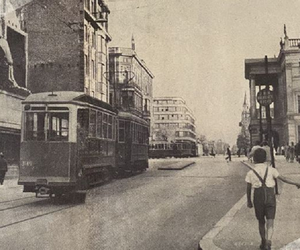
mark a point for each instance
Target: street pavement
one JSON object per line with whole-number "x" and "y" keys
{"x": 238, "y": 229}
{"x": 157, "y": 209}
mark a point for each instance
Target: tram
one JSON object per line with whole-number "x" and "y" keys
{"x": 173, "y": 149}
{"x": 70, "y": 141}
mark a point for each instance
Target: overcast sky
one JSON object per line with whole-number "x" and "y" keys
{"x": 196, "y": 49}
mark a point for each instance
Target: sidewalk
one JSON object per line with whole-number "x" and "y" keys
{"x": 238, "y": 229}
{"x": 13, "y": 172}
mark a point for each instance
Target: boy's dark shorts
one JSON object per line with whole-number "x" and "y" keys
{"x": 264, "y": 203}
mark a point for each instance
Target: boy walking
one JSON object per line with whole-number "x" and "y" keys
{"x": 262, "y": 178}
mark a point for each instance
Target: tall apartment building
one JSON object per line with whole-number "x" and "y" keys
{"x": 130, "y": 81}
{"x": 172, "y": 120}
{"x": 282, "y": 74}
{"x": 67, "y": 46}
{"x": 13, "y": 79}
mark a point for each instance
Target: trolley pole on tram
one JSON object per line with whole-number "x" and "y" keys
{"x": 265, "y": 98}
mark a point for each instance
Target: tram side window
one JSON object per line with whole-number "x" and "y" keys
{"x": 58, "y": 127}
{"x": 104, "y": 126}
{"x": 35, "y": 126}
{"x": 99, "y": 124}
{"x": 121, "y": 131}
{"x": 109, "y": 127}
{"x": 92, "y": 127}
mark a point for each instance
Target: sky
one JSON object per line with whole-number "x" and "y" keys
{"x": 196, "y": 49}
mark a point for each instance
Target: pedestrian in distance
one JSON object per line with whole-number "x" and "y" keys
{"x": 228, "y": 152}
{"x": 212, "y": 152}
{"x": 3, "y": 168}
{"x": 262, "y": 178}
{"x": 297, "y": 151}
{"x": 286, "y": 152}
{"x": 239, "y": 152}
{"x": 291, "y": 153}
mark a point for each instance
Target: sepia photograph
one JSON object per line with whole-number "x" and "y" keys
{"x": 149, "y": 125}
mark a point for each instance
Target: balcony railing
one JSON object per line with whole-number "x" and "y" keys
{"x": 294, "y": 42}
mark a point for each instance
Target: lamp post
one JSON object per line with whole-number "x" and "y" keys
{"x": 265, "y": 98}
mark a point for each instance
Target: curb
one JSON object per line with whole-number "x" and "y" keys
{"x": 206, "y": 243}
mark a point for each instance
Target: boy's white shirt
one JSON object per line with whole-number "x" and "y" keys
{"x": 261, "y": 170}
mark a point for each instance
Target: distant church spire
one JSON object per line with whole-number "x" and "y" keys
{"x": 284, "y": 30}
{"x": 132, "y": 43}
{"x": 245, "y": 100}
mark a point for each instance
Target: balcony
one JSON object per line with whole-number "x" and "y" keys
{"x": 146, "y": 113}
{"x": 101, "y": 17}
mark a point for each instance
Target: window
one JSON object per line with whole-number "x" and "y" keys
{"x": 93, "y": 69}
{"x": 86, "y": 63}
{"x": 34, "y": 125}
{"x": 104, "y": 126}
{"x": 42, "y": 126}
{"x": 92, "y": 127}
{"x": 86, "y": 32}
{"x": 59, "y": 126}
{"x": 99, "y": 124}
{"x": 298, "y": 103}
{"x": 109, "y": 127}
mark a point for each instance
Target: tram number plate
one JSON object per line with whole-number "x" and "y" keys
{"x": 41, "y": 182}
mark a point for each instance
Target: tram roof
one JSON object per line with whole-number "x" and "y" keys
{"x": 130, "y": 116}
{"x": 66, "y": 97}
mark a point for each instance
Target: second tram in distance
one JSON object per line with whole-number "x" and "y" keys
{"x": 173, "y": 149}
{"x": 70, "y": 141}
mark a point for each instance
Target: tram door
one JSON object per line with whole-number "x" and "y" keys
{"x": 128, "y": 144}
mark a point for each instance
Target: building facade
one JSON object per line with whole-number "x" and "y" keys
{"x": 282, "y": 74}
{"x": 67, "y": 46}
{"x": 13, "y": 79}
{"x": 173, "y": 121}
{"x": 49, "y": 46}
{"x": 131, "y": 82}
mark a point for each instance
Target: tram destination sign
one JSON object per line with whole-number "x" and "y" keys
{"x": 265, "y": 97}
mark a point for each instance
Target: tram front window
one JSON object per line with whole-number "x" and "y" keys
{"x": 44, "y": 126}
{"x": 58, "y": 126}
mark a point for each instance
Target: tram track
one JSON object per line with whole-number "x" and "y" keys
{"x": 9, "y": 207}
{"x": 21, "y": 210}
{"x": 35, "y": 217}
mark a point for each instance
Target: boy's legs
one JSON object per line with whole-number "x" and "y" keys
{"x": 269, "y": 232}
{"x": 262, "y": 232}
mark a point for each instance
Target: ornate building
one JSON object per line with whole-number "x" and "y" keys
{"x": 282, "y": 74}
{"x": 13, "y": 79}
{"x": 131, "y": 81}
